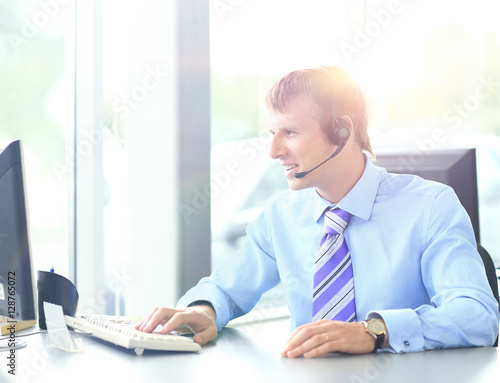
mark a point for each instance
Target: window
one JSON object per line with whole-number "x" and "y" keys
{"x": 146, "y": 117}
{"x": 431, "y": 71}
{"x": 35, "y": 107}
{"x": 122, "y": 91}
{"x": 426, "y": 68}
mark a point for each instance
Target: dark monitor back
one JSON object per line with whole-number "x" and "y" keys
{"x": 16, "y": 278}
{"x": 454, "y": 167}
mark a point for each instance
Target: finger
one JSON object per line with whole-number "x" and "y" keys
{"x": 177, "y": 320}
{"x": 201, "y": 324}
{"x": 158, "y": 317}
{"x": 145, "y": 320}
{"x": 205, "y": 336}
{"x": 294, "y": 342}
{"x": 324, "y": 348}
{"x": 292, "y": 337}
{"x": 310, "y": 344}
{"x": 302, "y": 334}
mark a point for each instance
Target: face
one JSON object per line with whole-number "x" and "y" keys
{"x": 300, "y": 144}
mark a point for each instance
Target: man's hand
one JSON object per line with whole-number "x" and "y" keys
{"x": 321, "y": 337}
{"x": 200, "y": 319}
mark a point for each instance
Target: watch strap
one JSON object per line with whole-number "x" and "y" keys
{"x": 379, "y": 337}
{"x": 379, "y": 341}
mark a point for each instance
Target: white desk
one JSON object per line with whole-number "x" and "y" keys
{"x": 247, "y": 353}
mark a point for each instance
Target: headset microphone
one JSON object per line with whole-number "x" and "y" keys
{"x": 343, "y": 135}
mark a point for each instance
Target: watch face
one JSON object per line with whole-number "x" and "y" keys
{"x": 375, "y": 326}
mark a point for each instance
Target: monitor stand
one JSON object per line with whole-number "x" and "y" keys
{"x": 13, "y": 343}
{"x": 7, "y": 345}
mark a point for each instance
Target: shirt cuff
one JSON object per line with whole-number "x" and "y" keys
{"x": 403, "y": 328}
{"x": 213, "y": 296}
{"x": 201, "y": 303}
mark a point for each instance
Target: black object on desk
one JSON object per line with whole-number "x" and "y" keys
{"x": 56, "y": 289}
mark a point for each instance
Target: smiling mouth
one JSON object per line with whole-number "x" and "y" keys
{"x": 290, "y": 167}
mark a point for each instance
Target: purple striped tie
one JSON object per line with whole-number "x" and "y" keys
{"x": 333, "y": 289}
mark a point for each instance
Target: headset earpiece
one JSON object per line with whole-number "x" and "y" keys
{"x": 342, "y": 130}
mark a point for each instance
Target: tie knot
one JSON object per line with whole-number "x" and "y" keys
{"x": 336, "y": 220}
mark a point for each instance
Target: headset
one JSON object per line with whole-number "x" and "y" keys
{"x": 341, "y": 126}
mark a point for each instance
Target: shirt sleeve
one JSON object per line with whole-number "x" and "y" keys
{"x": 236, "y": 286}
{"x": 462, "y": 311}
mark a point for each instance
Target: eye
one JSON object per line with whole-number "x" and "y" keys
{"x": 290, "y": 133}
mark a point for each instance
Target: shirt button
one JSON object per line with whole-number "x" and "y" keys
{"x": 407, "y": 344}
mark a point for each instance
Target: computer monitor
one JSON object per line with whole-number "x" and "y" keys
{"x": 453, "y": 167}
{"x": 17, "y": 288}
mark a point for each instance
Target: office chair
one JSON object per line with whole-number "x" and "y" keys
{"x": 491, "y": 274}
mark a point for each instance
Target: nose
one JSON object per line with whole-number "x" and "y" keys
{"x": 276, "y": 149}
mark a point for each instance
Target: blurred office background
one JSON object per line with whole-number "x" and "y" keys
{"x": 144, "y": 124}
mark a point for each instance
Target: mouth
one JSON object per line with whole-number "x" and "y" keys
{"x": 289, "y": 169}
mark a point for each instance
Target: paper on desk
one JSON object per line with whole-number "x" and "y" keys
{"x": 58, "y": 333}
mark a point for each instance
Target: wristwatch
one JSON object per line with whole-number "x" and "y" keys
{"x": 376, "y": 328}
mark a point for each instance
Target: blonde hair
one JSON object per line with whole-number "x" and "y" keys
{"x": 340, "y": 92}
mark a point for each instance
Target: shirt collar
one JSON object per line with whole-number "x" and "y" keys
{"x": 360, "y": 199}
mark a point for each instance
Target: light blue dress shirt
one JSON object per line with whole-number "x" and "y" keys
{"x": 414, "y": 260}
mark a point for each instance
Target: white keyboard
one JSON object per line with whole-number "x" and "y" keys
{"x": 120, "y": 331}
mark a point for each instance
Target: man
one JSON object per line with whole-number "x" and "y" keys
{"x": 397, "y": 266}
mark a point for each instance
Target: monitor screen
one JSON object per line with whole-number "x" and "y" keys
{"x": 454, "y": 167}
{"x": 17, "y": 299}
